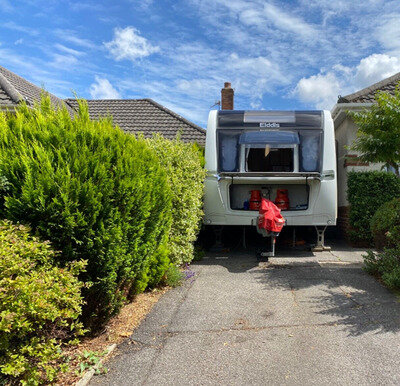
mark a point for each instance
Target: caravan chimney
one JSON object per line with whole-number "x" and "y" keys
{"x": 227, "y": 94}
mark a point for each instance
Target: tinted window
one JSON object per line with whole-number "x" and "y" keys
{"x": 228, "y": 145}
{"x": 310, "y": 151}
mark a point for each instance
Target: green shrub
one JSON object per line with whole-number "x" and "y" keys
{"x": 173, "y": 276}
{"x": 386, "y": 265}
{"x": 371, "y": 264}
{"x": 184, "y": 165}
{"x": 96, "y": 193}
{"x": 366, "y": 192}
{"x": 39, "y": 305}
{"x": 385, "y": 224}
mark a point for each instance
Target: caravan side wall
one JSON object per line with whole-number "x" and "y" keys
{"x": 220, "y": 204}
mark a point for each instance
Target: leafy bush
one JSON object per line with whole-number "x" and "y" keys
{"x": 386, "y": 265}
{"x": 96, "y": 193}
{"x": 385, "y": 224}
{"x": 366, "y": 192}
{"x": 378, "y": 135}
{"x": 173, "y": 276}
{"x": 39, "y": 305}
{"x": 184, "y": 165}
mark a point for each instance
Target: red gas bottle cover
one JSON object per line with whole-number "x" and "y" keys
{"x": 255, "y": 199}
{"x": 282, "y": 199}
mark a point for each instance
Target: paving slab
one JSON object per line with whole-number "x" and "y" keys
{"x": 299, "y": 319}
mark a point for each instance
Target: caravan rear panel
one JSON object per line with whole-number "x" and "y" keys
{"x": 267, "y": 151}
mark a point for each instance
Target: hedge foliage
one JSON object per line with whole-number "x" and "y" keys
{"x": 378, "y": 134}
{"x": 386, "y": 265}
{"x": 366, "y": 192}
{"x": 385, "y": 225}
{"x": 183, "y": 163}
{"x": 96, "y": 193}
{"x": 39, "y": 306}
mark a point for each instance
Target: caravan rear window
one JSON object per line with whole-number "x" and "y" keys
{"x": 269, "y": 160}
{"x": 269, "y": 150}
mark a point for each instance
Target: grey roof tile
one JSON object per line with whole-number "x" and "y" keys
{"x": 367, "y": 95}
{"x": 144, "y": 116}
{"x": 14, "y": 88}
{"x": 132, "y": 115}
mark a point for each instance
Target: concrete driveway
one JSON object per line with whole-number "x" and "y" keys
{"x": 299, "y": 319}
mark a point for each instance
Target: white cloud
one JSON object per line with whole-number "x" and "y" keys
{"x": 87, "y": 6}
{"x": 375, "y": 68}
{"x": 288, "y": 22}
{"x": 192, "y": 75}
{"x": 72, "y": 37}
{"x": 267, "y": 17}
{"x": 68, "y": 50}
{"x": 6, "y": 6}
{"x": 103, "y": 89}
{"x": 64, "y": 62}
{"x": 20, "y": 28}
{"x": 37, "y": 70}
{"x": 388, "y": 33}
{"x": 254, "y": 76}
{"x": 321, "y": 90}
{"x": 144, "y": 4}
{"x": 257, "y": 105}
{"x": 129, "y": 44}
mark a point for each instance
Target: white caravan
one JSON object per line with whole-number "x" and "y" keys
{"x": 267, "y": 151}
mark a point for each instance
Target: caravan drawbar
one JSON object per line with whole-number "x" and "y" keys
{"x": 267, "y": 151}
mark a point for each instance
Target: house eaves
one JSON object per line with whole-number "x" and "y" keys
{"x": 340, "y": 110}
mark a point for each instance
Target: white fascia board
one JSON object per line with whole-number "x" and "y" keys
{"x": 339, "y": 111}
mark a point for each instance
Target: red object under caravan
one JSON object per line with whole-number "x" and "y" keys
{"x": 282, "y": 199}
{"x": 255, "y": 200}
{"x": 270, "y": 217}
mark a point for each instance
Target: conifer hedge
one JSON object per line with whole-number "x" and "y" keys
{"x": 96, "y": 193}
{"x": 183, "y": 163}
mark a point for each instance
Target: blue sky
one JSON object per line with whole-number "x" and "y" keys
{"x": 291, "y": 54}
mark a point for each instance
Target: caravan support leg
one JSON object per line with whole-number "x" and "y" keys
{"x": 320, "y": 246}
{"x": 264, "y": 255}
{"x": 218, "y": 246}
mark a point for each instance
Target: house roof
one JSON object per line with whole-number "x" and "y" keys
{"x": 144, "y": 116}
{"x": 367, "y": 95}
{"x": 131, "y": 115}
{"x": 14, "y": 89}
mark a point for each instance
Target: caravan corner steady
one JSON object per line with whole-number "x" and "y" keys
{"x": 267, "y": 151}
